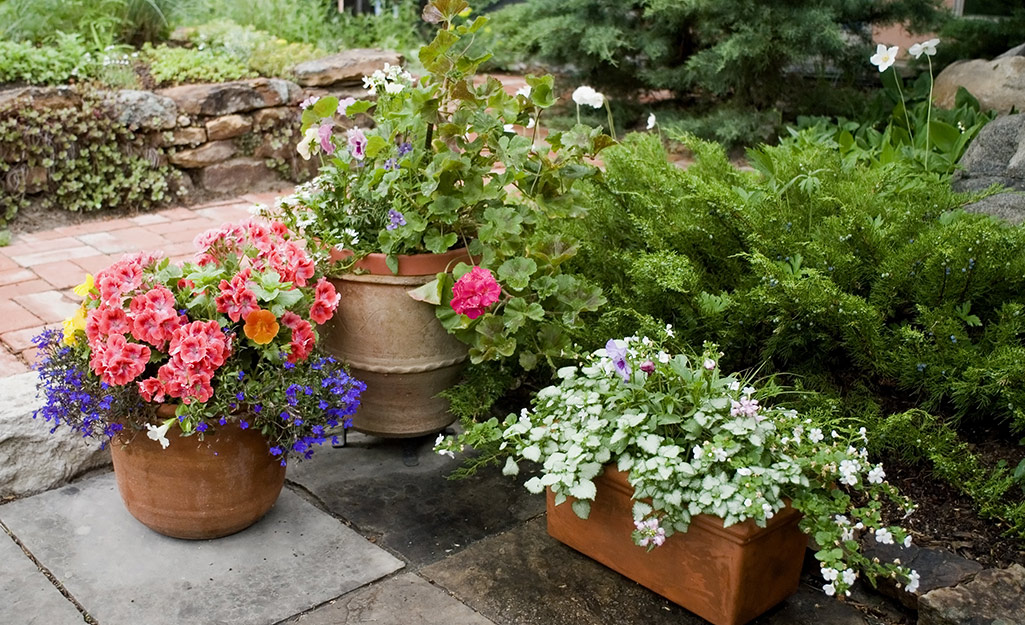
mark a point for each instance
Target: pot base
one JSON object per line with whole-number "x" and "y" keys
{"x": 728, "y": 576}
{"x": 197, "y": 489}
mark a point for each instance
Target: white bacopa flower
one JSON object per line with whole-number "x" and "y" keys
{"x": 849, "y": 576}
{"x": 530, "y": 123}
{"x": 815, "y": 435}
{"x": 651, "y": 121}
{"x": 883, "y": 536}
{"x": 907, "y": 541}
{"x": 159, "y": 434}
{"x": 829, "y": 589}
{"x": 734, "y": 385}
{"x": 509, "y": 128}
{"x": 927, "y": 48}
{"x": 524, "y": 91}
{"x": 829, "y": 574}
{"x": 585, "y": 95}
{"x": 876, "y": 475}
{"x": 393, "y": 87}
{"x": 884, "y": 57}
{"x": 912, "y": 584}
{"x": 669, "y": 330}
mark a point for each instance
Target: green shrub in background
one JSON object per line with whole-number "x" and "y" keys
{"x": 81, "y": 157}
{"x": 980, "y": 37}
{"x": 735, "y": 49}
{"x": 100, "y": 22}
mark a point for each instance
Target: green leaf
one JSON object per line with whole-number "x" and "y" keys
{"x": 375, "y": 143}
{"x": 429, "y": 293}
{"x": 326, "y": 106}
{"x": 582, "y": 508}
{"x": 289, "y": 298}
{"x": 392, "y": 261}
{"x": 359, "y": 106}
{"x": 437, "y": 242}
{"x": 515, "y": 272}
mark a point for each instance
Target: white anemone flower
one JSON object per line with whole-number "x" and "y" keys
{"x": 586, "y": 95}
{"x": 927, "y": 48}
{"x": 884, "y": 57}
{"x": 159, "y": 434}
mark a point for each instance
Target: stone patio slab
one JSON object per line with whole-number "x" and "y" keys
{"x": 525, "y": 577}
{"x": 406, "y": 599}
{"x": 415, "y": 511}
{"x": 28, "y": 598}
{"x": 122, "y": 573}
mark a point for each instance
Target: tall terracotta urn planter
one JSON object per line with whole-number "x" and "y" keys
{"x": 197, "y": 489}
{"x": 727, "y": 576}
{"x": 396, "y": 344}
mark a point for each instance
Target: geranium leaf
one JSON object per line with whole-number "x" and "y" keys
{"x": 515, "y": 272}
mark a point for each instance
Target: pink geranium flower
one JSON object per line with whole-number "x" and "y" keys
{"x": 474, "y": 292}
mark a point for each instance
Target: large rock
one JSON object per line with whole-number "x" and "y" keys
{"x": 232, "y": 97}
{"x": 31, "y": 459}
{"x": 145, "y": 109}
{"x": 998, "y": 84}
{"x": 1009, "y": 206}
{"x": 239, "y": 175}
{"x": 40, "y": 97}
{"x": 994, "y": 597}
{"x": 205, "y": 155}
{"x": 190, "y": 135}
{"x": 937, "y": 568}
{"x": 228, "y": 126}
{"x": 1018, "y": 50}
{"x": 349, "y": 66}
{"x": 996, "y": 156}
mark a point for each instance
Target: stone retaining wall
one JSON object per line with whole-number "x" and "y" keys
{"x": 228, "y": 137}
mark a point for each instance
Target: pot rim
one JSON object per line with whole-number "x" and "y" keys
{"x": 409, "y": 264}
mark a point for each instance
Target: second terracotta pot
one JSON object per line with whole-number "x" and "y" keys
{"x": 396, "y": 345}
{"x": 727, "y": 576}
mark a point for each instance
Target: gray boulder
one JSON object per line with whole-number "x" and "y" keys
{"x": 31, "y": 459}
{"x": 145, "y": 109}
{"x": 349, "y": 66}
{"x": 937, "y": 568}
{"x": 1008, "y": 206}
{"x": 994, "y": 597}
{"x": 232, "y": 97}
{"x": 999, "y": 84}
{"x": 996, "y": 156}
{"x": 1018, "y": 50}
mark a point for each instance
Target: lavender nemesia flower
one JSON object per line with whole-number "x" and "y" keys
{"x": 405, "y": 148}
{"x": 397, "y": 219}
{"x": 618, "y": 356}
{"x": 391, "y": 164}
{"x": 357, "y": 143}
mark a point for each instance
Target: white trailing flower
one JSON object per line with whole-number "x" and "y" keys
{"x": 159, "y": 434}
{"x": 912, "y": 584}
{"x": 651, "y": 121}
{"x": 883, "y": 536}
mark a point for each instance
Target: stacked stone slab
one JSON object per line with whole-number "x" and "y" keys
{"x": 225, "y": 136}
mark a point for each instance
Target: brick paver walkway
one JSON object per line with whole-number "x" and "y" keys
{"x": 38, "y": 270}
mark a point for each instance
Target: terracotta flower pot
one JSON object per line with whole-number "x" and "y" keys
{"x": 396, "y": 345}
{"x": 727, "y": 576}
{"x": 197, "y": 489}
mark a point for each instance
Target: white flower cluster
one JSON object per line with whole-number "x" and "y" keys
{"x": 390, "y": 79}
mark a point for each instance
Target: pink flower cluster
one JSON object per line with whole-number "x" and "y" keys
{"x": 475, "y": 291}
{"x": 236, "y": 299}
{"x": 303, "y": 338}
{"x": 325, "y": 301}
{"x": 273, "y": 250}
{"x": 197, "y": 350}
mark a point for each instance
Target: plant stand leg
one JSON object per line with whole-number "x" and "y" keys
{"x": 344, "y": 440}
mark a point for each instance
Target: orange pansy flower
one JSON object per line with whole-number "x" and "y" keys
{"x": 261, "y": 326}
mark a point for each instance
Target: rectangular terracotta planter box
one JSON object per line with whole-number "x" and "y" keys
{"x": 728, "y": 576}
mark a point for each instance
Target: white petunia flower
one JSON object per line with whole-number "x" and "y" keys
{"x": 927, "y": 48}
{"x": 159, "y": 434}
{"x": 884, "y": 57}
{"x": 585, "y": 95}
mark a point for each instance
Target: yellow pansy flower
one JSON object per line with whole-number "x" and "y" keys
{"x": 83, "y": 289}
{"x": 74, "y": 323}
